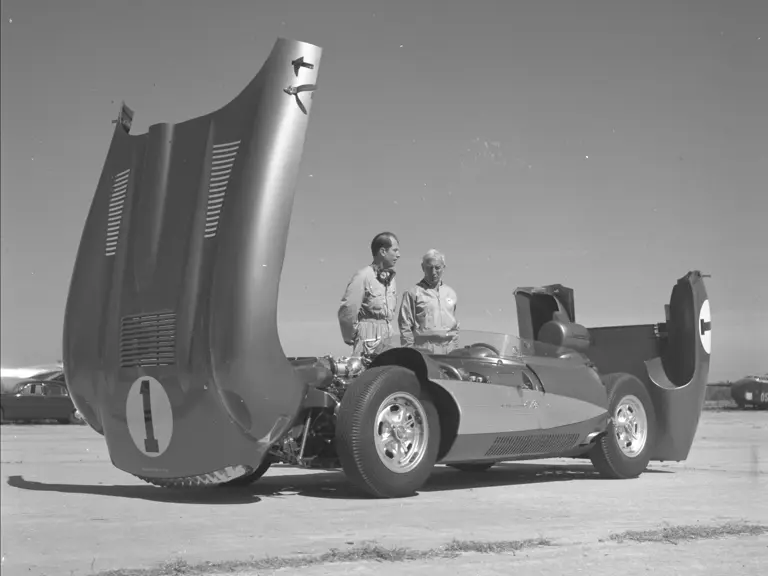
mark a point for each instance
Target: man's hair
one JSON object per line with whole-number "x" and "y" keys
{"x": 382, "y": 240}
{"x": 433, "y": 254}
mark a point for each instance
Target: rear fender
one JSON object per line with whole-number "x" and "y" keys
{"x": 672, "y": 360}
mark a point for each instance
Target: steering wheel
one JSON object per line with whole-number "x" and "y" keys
{"x": 452, "y": 369}
{"x": 487, "y": 347}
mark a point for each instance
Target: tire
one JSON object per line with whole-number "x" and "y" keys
{"x": 472, "y": 467}
{"x": 75, "y": 418}
{"x": 249, "y": 479}
{"x": 366, "y": 458}
{"x": 626, "y": 396}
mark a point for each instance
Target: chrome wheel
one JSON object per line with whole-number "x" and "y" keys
{"x": 631, "y": 425}
{"x": 401, "y": 432}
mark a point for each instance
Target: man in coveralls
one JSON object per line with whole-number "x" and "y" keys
{"x": 427, "y": 315}
{"x": 368, "y": 307}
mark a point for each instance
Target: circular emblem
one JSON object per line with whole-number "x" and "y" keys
{"x": 149, "y": 415}
{"x": 705, "y": 327}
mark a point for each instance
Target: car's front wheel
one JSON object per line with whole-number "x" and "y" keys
{"x": 387, "y": 432}
{"x": 625, "y": 450}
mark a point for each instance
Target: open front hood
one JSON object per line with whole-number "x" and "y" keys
{"x": 171, "y": 348}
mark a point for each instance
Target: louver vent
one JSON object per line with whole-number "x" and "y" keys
{"x": 221, "y": 169}
{"x": 115, "y": 213}
{"x": 148, "y": 340}
{"x": 533, "y": 444}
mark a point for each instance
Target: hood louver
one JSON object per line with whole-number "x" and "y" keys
{"x": 223, "y": 159}
{"x": 115, "y": 214}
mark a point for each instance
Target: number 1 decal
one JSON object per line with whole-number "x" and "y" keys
{"x": 149, "y": 416}
{"x": 150, "y": 442}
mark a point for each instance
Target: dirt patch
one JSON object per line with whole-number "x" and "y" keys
{"x": 677, "y": 534}
{"x": 370, "y": 552}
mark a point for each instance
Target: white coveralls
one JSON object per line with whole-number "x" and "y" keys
{"x": 367, "y": 311}
{"x": 427, "y": 318}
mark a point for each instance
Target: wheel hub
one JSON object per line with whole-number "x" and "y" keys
{"x": 401, "y": 432}
{"x": 631, "y": 425}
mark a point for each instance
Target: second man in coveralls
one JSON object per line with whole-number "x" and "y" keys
{"x": 427, "y": 315}
{"x": 368, "y": 307}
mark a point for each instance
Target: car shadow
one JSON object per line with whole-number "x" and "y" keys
{"x": 328, "y": 484}
{"x": 335, "y": 485}
{"x": 222, "y": 495}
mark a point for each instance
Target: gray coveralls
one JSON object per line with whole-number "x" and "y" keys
{"x": 427, "y": 318}
{"x": 367, "y": 311}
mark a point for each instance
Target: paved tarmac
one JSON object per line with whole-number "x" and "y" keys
{"x": 67, "y": 511}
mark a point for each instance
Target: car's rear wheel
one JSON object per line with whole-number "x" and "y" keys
{"x": 625, "y": 450}
{"x": 387, "y": 432}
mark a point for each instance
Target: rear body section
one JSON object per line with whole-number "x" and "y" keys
{"x": 173, "y": 297}
{"x": 671, "y": 358}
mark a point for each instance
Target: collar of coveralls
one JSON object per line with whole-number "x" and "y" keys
{"x": 383, "y": 275}
{"x": 424, "y": 283}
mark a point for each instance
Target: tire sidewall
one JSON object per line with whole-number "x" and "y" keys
{"x": 355, "y": 435}
{"x": 623, "y": 386}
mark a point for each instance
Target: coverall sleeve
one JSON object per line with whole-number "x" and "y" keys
{"x": 405, "y": 319}
{"x": 457, "y": 326}
{"x": 350, "y": 307}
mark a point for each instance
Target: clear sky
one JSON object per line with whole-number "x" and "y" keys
{"x": 607, "y": 145}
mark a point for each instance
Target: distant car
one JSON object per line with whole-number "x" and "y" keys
{"x": 41, "y": 398}
{"x": 751, "y": 391}
{"x": 10, "y": 378}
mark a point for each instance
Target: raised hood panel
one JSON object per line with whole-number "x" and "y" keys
{"x": 171, "y": 320}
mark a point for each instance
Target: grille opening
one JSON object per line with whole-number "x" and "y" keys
{"x": 115, "y": 211}
{"x": 223, "y": 159}
{"x": 148, "y": 340}
{"x": 531, "y": 444}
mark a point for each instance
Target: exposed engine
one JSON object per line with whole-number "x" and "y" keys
{"x": 310, "y": 443}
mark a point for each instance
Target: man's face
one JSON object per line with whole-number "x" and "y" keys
{"x": 433, "y": 270}
{"x": 390, "y": 255}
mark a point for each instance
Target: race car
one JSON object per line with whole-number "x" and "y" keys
{"x": 172, "y": 352}
{"x": 751, "y": 391}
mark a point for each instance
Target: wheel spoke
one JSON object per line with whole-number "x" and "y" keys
{"x": 631, "y": 427}
{"x": 401, "y": 432}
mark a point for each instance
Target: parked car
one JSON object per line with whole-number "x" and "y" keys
{"x": 10, "y": 378}
{"x": 42, "y": 398}
{"x": 751, "y": 391}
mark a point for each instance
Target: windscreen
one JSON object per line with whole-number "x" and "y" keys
{"x": 497, "y": 344}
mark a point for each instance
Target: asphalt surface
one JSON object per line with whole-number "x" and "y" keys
{"x": 66, "y": 510}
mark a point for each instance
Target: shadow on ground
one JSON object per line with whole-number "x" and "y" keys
{"x": 324, "y": 484}
{"x": 151, "y": 493}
